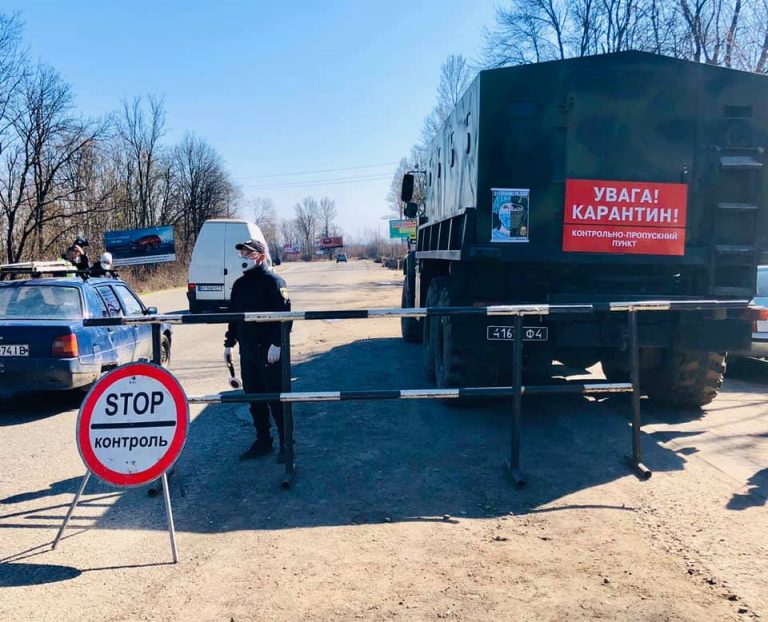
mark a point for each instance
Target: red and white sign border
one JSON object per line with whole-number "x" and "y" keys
{"x": 169, "y": 381}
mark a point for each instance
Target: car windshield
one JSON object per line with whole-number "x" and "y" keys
{"x": 762, "y": 283}
{"x": 40, "y": 302}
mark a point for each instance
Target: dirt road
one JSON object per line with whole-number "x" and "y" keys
{"x": 401, "y": 509}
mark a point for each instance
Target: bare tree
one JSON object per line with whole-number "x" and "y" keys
{"x": 327, "y": 213}
{"x": 455, "y": 76}
{"x": 307, "y": 217}
{"x": 141, "y": 126}
{"x": 265, "y": 216}
{"x": 719, "y": 32}
{"x": 45, "y": 142}
{"x": 204, "y": 189}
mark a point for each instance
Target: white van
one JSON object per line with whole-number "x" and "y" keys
{"x": 215, "y": 264}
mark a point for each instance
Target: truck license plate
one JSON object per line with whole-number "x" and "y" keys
{"x": 15, "y": 350}
{"x": 507, "y": 333}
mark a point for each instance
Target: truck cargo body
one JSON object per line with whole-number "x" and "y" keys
{"x": 626, "y": 176}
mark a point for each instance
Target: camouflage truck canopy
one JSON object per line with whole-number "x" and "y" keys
{"x": 625, "y": 159}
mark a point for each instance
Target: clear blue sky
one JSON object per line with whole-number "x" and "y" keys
{"x": 276, "y": 87}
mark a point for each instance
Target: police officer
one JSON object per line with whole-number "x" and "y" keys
{"x": 259, "y": 289}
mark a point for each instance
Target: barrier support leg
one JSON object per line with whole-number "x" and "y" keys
{"x": 169, "y": 514}
{"x": 157, "y": 347}
{"x": 517, "y": 380}
{"x": 635, "y": 461}
{"x": 71, "y": 509}
{"x": 290, "y": 463}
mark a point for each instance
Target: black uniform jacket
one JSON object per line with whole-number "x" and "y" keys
{"x": 259, "y": 289}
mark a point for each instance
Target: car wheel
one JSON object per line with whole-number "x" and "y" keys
{"x": 165, "y": 351}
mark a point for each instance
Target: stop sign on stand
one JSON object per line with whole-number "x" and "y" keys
{"x": 131, "y": 428}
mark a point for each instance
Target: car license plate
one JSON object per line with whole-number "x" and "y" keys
{"x": 507, "y": 333}
{"x": 210, "y": 288}
{"x": 15, "y": 350}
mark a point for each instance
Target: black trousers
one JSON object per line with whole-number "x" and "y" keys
{"x": 261, "y": 377}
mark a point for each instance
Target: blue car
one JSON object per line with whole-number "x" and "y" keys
{"x": 44, "y": 345}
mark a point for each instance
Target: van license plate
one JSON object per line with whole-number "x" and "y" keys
{"x": 507, "y": 333}
{"x": 210, "y": 288}
{"x": 16, "y": 350}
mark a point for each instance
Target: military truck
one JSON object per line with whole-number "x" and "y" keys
{"x": 618, "y": 177}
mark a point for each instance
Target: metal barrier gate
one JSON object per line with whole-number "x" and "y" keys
{"x": 516, "y": 391}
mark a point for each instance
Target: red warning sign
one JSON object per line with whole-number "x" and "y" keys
{"x": 133, "y": 424}
{"x": 624, "y": 217}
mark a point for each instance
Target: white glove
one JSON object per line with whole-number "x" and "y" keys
{"x": 273, "y": 355}
{"x": 228, "y": 356}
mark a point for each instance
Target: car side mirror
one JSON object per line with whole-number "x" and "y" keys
{"x": 406, "y": 190}
{"x": 411, "y": 210}
{"x": 151, "y": 311}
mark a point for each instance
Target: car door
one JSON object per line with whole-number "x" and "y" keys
{"x": 104, "y": 351}
{"x": 142, "y": 332}
{"x": 123, "y": 337}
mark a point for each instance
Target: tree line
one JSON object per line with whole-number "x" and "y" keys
{"x": 312, "y": 219}
{"x": 728, "y": 33}
{"x": 63, "y": 175}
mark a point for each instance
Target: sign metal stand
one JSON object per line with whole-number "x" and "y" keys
{"x": 131, "y": 428}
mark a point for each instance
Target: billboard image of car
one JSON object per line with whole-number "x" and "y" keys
{"x": 141, "y": 246}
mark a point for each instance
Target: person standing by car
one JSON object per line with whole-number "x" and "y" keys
{"x": 259, "y": 289}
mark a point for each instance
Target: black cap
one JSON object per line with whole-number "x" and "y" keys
{"x": 252, "y": 245}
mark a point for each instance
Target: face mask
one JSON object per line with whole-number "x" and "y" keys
{"x": 505, "y": 217}
{"x": 248, "y": 263}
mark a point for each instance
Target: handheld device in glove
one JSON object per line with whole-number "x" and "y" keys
{"x": 234, "y": 381}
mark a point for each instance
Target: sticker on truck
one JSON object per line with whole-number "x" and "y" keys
{"x": 510, "y": 211}
{"x": 624, "y": 217}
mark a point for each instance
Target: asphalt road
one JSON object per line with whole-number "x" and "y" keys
{"x": 392, "y": 471}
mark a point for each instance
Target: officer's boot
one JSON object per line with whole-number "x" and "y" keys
{"x": 259, "y": 448}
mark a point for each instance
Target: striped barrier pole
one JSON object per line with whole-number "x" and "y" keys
{"x": 491, "y": 311}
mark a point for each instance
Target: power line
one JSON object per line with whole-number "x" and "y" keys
{"x": 323, "y": 182}
{"x": 325, "y": 170}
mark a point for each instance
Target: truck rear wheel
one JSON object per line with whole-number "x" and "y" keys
{"x": 410, "y": 327}
{"x": 430, "y": 327}
{"x": 446, "y": 373}
{"x": 686, "y": 378}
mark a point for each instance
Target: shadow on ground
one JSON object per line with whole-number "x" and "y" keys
{"x": 28, "y": 407}
{"x": 371, "y": 462}
{"x": 756, "y": 494}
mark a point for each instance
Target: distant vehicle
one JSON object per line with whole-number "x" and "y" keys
{"x": 760, "y": 327}
{"x": 216, "y": 265}
{"x": 341, "y": 257}
{"x": 44, "y": 345}
{"x": 146, "y": 243}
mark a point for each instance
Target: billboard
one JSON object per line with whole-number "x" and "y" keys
{"x": 289, "y": 249}
{"x": 403, "y": 229}
{"x": 336, "y": 241}
{"x": 637, "y": 218}
{"x": 140, "y": 246}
